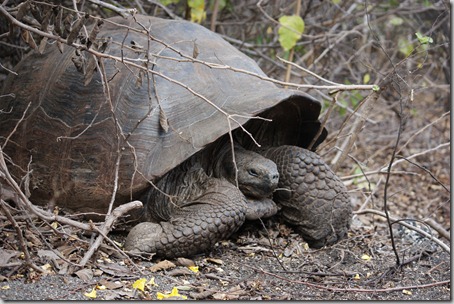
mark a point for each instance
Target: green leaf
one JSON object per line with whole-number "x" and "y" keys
{"x": 375, "y": 88}
{"x": 424, "y": 39}
{"x": 396, "y": 21}
{"x": 366, "y": 78}
{"x": 198, "y": 13}
{"x": 168, "y": 2}
{"x": 290, "y": 31}
{"x": 404, "y": 46}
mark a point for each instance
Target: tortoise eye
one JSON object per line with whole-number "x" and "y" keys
{"x": 253, "y": 172}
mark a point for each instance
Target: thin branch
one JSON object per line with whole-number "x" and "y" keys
{"x": 107, "y": 227}
{"x": 400, "y": 222}
{"x": 446, "y": 114}
{"x": 22, "y": 243}
{"x": 336, "y": 289}
{"x": 440, "y": 146}
{"x": 369, "y": 104}
{"x": 124, "y": 12}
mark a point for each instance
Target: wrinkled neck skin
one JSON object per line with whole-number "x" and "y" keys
{"x": 255, "y": 175}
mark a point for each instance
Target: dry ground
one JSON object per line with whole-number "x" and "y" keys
{"x": 267, "y": 260}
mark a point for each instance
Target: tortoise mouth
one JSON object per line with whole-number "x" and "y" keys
{"x": 258, "y": 190}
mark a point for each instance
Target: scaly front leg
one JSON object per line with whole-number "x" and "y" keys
{"x": 313, "y": 199}
{"x": 194, "y": 226}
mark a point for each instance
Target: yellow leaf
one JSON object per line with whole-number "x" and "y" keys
{"x": 407, "y": 292}
{"x": 366, "y": 78}
{"x": 46, "y": 266}
{"x": 101, "y": 287}
{"x": 194, "y": 268}
{"x": 54, "y": 225}
{"x": 6, "y": 287}
{"x": 152, "y": 282}
{"x": 91, "y": 294}
{"x": 160, "y": 296}
{"x": 356, "y": 277}
{"x": 174, "y": 293}
{"x": 365, "y": 257}
{"x": 269, "y": 30}
{"x": 139, "y": 284}
{"x": 198, "y": 13}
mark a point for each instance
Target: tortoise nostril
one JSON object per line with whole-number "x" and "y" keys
{"x": 275, "y": 177}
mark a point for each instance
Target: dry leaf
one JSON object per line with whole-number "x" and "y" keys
{"x": 195, "y": 51}
{"x": 6, "y": 255}
{"x": 90, "y": 69}
{"x": 85, "y": 274}
{"x": 232, "y": 294}
{"x": 185, "y": 262}
{"x": 22, "y": 11}
{"x": 215, "y": 261}
{"x": 48, "y": 253}
{"x": 76, "y": 29}
{"x": 179, "y": 272}
{"x": 60, "y": 46}
{"x": 163, "y": 121}
{"x": 162, "y": 266}
{"x": 407, "y": 292}
{"x": 111, "y": 285}
{"x": 116, "y": 270}
{"x": 42, "y": 45}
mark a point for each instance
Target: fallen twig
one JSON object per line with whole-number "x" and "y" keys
{"x": 107, "y": 226}
{"x": 22, "y": 243}
{"x": 446, "y": 282}
{"x": 422, "y": 232}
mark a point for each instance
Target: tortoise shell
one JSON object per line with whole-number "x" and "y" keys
{"x": 80, "y": 141}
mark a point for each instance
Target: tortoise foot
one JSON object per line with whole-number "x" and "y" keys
{"x": 143, "y": 237}
{"x": 260, "y": 208}
{"x": 314, "y": 200}
{"x": 194, "y": 226}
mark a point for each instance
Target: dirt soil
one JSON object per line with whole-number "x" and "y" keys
{"x": 268, "y": 260}
{"x": 246, "y": 267}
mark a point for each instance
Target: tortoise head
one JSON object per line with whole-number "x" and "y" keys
{"x": 256, "y": 175}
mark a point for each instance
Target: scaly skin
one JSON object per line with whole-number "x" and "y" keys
{"x": 195, "y": 227}
{"x": 202, "y": 210}
{"x": 315, "y": 200}
{"x": 192, "y": 211}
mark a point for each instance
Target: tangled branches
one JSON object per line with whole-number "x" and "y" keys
{"x": 391, "y": 145}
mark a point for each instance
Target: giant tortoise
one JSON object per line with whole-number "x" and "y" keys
{"x": 177, "y": 117}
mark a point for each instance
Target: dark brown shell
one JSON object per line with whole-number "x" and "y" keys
{"x": 73, "y": 135}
